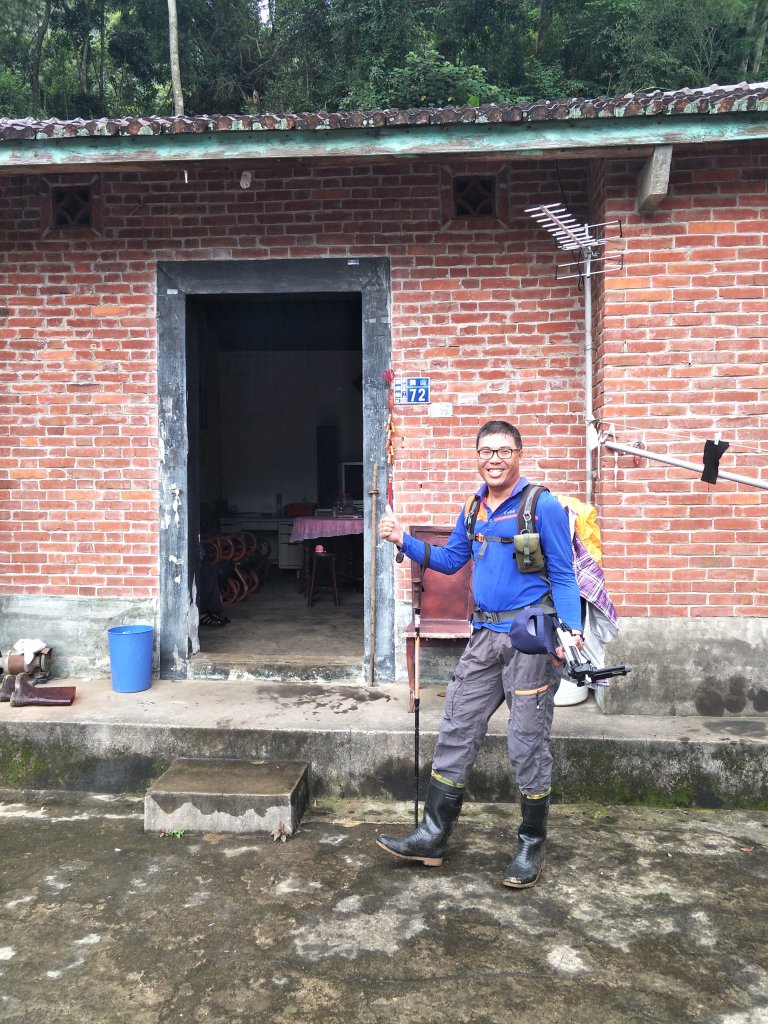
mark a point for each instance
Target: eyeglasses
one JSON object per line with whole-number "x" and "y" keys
{"x": 505, "y": 454}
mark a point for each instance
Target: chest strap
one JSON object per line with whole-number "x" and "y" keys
{"x": 484, "y": 541}
{"x": 528, "y": 500}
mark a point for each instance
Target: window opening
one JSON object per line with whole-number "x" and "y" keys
{"x": 71, "y": 206}
{"x": 474, "y": 197}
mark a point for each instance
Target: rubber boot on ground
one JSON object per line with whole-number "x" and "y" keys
{"x": 524, "y": 868}
{"x": 427, "y": 844}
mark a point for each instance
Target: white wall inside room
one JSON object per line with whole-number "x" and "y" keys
{"x": 270, "y": 405}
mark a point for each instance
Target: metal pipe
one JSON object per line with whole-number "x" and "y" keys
{"x": 643, "y": 453}
{"x": 374, "y": 493}
{"x": 589, "y": 414}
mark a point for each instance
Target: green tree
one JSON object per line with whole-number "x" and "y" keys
{"x": 15, "y": 95}
{"x": 753, "y": 43}
{"x": 224, "y": 50}
{"x": 88, "y": 57}
{"x": 623, "y": 45}
{"x": 426, "y": 79}
{"x": 23, "y": 29}
{"x": 299, "y": 57}
{"x": 370, "y": 36}
{"x": 77, "y": 44}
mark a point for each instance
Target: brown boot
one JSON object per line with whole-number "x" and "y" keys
{"x": 25, "y": 693}
{"x": 6, "y": 687}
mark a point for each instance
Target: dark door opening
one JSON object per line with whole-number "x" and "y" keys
{"x": 280, "y": 439}
{"x": 192, "y": 297}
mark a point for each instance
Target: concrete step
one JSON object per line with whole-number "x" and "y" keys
{"x": 359, "y": 740}
{"x": 237, "y": 668}
{"x": 226, "y": 795}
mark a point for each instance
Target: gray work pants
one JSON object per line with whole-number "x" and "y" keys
{"x": 489, "y": 672}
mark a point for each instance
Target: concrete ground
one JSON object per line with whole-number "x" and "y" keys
{"x": 274, "y": 635}
{"x": 641, "y": 915}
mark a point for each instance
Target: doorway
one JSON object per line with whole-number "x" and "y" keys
{"x": 279, "y": 433}
{"x": 273, "y": 406}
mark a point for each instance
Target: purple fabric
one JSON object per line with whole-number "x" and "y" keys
{"x": 591, "y": 580}
{"x": 310, "y": 527}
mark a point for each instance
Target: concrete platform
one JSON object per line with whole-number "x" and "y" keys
{"x": 224, "y": 795}
{"x": 360, "y": 740}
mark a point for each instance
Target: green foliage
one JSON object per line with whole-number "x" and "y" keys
{"x": 15, "y": 95}
{"x": 299, "y": 57}
{"x": 426, "y": 79}
{"x": 623, "y": 45}
{"x": 71, "y": 58}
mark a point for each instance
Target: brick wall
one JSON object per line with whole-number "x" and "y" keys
{"x": 685, "y": 333}
{"x": 476, "y": 307}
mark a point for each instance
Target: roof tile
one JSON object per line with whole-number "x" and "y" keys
{"x": 707, "y": 100}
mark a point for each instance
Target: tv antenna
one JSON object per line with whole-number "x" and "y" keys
{"x": 586, "y": 246}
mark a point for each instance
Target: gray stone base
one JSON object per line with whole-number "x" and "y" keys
{"x": 706, "y": 667}
{"x": 75, "y": 627}
{"x": 228, "y": 796}
{"x": 712, "y": 668}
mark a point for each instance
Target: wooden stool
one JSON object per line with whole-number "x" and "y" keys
{"x": 324, "y": 580}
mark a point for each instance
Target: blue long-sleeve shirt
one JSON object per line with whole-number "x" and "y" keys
{"x": 497, "y": 584}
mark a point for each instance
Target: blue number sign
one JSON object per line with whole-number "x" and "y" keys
{"x": 412, "y": 391}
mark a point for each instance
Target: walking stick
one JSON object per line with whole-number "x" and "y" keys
{"x": 374, "y": 492}
{"x": 416, "y": 703}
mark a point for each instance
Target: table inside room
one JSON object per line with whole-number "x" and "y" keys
{"x": 340, "y": 535}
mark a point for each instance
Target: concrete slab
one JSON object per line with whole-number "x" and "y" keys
{"x": 641, "y": 916}
{"x": 225, "y": 795}
{"x": 360, "y": 742}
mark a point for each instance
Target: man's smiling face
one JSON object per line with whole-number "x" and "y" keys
{"x": 501, "y": 469}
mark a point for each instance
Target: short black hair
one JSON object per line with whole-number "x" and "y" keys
{"x": 499, "y": 427}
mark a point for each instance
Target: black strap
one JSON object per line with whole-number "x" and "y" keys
{"x": 526, "y": 514}
{"x": 547, "y": 605}
{"x": 478, "y": 615}
{"x": 526, "y": 525}
{"x": 472, "y": 515}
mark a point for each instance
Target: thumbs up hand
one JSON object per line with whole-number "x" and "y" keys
{"x": 389, "y": 528}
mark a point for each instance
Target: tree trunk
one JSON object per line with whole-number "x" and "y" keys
{"x": 103, "y": 45}
{"x": 545, "y": 17}
{"x": 82, "y": 65}
{"x": 760, "y": 40}
{"x": 173, "y": 36}
{"x": 37, "y": 51}
{"x": 749, "y": 38}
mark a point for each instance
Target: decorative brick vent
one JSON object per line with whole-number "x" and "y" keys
{"x": 71, "y": 206}
{"x": 474, "y": 197}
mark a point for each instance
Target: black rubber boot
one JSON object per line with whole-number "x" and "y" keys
{"x": 427, "y": 844}
{"x": 524, "y": 868}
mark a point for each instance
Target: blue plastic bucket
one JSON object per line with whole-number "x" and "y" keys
{"x": 130, "y": 657}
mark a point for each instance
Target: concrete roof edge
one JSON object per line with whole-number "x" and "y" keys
{"x": 543, "y": 130}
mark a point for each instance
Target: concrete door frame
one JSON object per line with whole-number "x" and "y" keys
{"x": 176, "y": 282}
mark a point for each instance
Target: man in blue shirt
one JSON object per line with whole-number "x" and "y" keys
{"x": 491, "y": 670}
